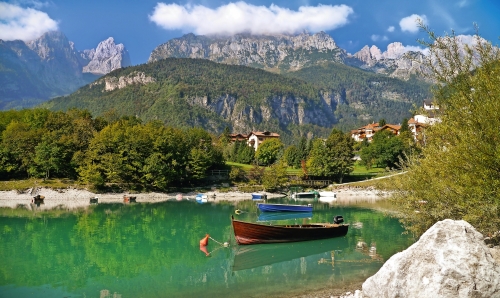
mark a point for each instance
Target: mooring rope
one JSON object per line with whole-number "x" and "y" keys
{"x": 223, "y": 244}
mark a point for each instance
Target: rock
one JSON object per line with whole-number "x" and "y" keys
{"x": 450, "y": 260}
{"x": 279, "y": 51}
{"x": 107, "y": 57}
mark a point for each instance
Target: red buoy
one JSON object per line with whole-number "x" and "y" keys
{"x": 204, "y": 241}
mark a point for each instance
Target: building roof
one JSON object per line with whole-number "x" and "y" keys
{"x": 266, "y": 134}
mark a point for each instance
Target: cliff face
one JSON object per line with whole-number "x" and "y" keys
{"x": 396, "y": 62}
{"x": 49, "y": 66}
{"x": 290, "y": 53}
{"x": 107, "y": 57}
{"x": 281, "y": 52}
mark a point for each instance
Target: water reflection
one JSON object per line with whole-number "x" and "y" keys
{"x": 149, "y": 249}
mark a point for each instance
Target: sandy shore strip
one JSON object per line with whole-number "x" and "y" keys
{"x": 76, "y": 198}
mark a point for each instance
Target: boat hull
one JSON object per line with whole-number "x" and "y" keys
{"x": 252, "y": 233}
{"x": 259, "y": 196}
{"x": 284, "y": 208}
{"x": 305, "y": 195}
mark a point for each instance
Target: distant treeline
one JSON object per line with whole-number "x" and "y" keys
{"x": 106, "y": 149}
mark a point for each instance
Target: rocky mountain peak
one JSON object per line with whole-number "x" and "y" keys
{"x": 278, "y": 51}
{"x": 107, "y": 57}
{"x": 51, "y": 44}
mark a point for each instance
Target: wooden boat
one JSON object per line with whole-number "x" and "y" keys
{"x": 284, "y": 208}
{"x": 259, "y": 196}
{"x": 128, "y": 199}
{"x": 269, "y": 216}
{"x": 305, "y": 195}
{"x": 254, "y": 233}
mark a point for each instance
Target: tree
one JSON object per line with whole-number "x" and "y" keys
{"x": 269, "y": 151}
{"x": 292, "y": 157}
{"x": 382, "y": 122}
{"x": 275, "y": 176}
{"x": 332, "y": 157}
{"x": 457, "y": 175}
{"x": 385, "y": 150}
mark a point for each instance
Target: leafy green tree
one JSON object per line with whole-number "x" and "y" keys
{"x": 291, "y": 156}
{"x": 303, "y": 151}
{"x": 255, "y": 174}
{"x": 332, "y": 157}
{"x": 275, "y": 176}
{"x": 49, "y": 156}
{"x": 246, "y": 154}
{"x": 237, "y": 174}
{"x": 457, "y": 175}
{"x": 385, "y": 150}
{"x": 317, "y": 164}
{"x": 382, "y": 122}
{"x": 269, "y": 151}
{"x": 340, "y": 154}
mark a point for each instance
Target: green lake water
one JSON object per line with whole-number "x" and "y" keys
{"x": 152, "y": 250}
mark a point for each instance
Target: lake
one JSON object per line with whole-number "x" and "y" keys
{"x": 152, "y": 250}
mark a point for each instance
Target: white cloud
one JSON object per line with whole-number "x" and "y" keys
{"x": 240, "y": 17}
{"x": 391, "y": 29}
{"x": 410, "y": 23}
{"x": 23, "y": 23}
{"x": 424, "y": 51}
{"x": 376, "y": 37}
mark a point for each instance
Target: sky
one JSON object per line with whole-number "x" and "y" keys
{"x": 142, "y": 25}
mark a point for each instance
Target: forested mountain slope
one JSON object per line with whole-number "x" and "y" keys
{"x": 365, "y": 95}
{"x": 198, "y": 92}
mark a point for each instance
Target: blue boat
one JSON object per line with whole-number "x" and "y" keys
{"x": 284, "y": 208}
{"x": 259, "y": 196}
{"x": 268, "y": 216}
{"x": 201, "y": 198}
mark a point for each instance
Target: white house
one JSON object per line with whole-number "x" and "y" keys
{"x": 255, "y": 138}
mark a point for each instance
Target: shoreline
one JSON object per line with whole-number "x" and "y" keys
{"x": 78, "y": 198}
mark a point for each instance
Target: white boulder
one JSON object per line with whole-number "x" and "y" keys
{"x": 449, "y": 260}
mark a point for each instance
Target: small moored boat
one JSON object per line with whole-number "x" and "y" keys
{"x": 201, "y": 198}
{"x": 254, "y": 233}
{"x": 259, "y": 196}
{"x": 305, "y": 195}
{"x": 284, "y": 208}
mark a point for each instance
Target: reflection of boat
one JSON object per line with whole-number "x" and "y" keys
{"x": 305, "y": 195}
{"x": 253, "y": 233}
{"x": 327, "y": 199}
{"x": 247, "y": 257}
{"x": 201, "y": 198}
{"x": 284, "y": 208}
{"x": 128, "y": 199}
{"x": 267, "y": 216}
{"x": 327, "y": 194}
{"x": 259, "y": 196}
{"x": 38, "y": 198}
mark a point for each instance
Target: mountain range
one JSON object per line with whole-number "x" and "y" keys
{"x": 49, "y": 66}
{"x": 287, "y": 53}
{"x": 295, "y": 85}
